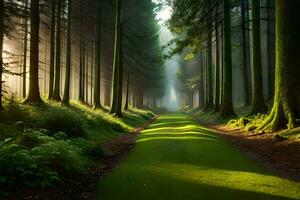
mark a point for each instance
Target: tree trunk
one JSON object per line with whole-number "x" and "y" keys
{"x": 227, "y": 104}
{"x": 287, "y": 72}
{"x": 25, "y": 48}
{"x": 56, "y": 93}
{"x": 52, "y": 50}
{"x": 86, "y": 92}
{"x": 126, "y": 107}
{"x": 258, "y": 103}
{"x": 107, "y": 95}
{"x": 81, "y": 64}
{"x": 217, "y": 66}
{"x": 116, "y": 61}
{"x": 1, "y": 49}
{"x": 120, "y": 95}
{"x": 270, "y": 48}
{"x": 245, "y": 66}
{"x": 97, "y": 101}
{"x": 34, "y": 92}
{"x": 66, "y": 98}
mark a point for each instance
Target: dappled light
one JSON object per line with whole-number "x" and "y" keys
{"x": 150, "y": 99}
{"x": 175, "y": 161}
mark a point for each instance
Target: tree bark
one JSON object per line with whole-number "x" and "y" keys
{"x": 258, "y": 103}
{"x": 217, "y": 66}
{"x": 52, "y": 50}
{"x": 287, "y": 71}
{"x": 116, "y": 61}
{"x": 227, "y": 104}
{"x": 245, "y": 66}
{"x": 56, "y": 93}
{"x": 97, "y": 101}
{"x": 66, "y": 97}
{"x": 271, "y": 49}
{"x": 126, "y": 107}
{"x": 1, "y": 49}
{"x": 25, "y": 48}
{"x": 34, "y": 92}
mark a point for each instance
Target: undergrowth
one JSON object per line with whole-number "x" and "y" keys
{"x": 252, "y": 123}
{"x": 39, "y": 145}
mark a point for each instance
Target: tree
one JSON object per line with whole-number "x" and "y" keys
{"x": 258, "y": 103}
{"x": 1, "y": 49}
{"x": 270, "y": 46}
{"x": 66, "y": 98}
{"x": 217, "y": 65}
{"x": 245, "y": 46}
{"x": 52, "y": 50}
{"x": 34, "y": 92}
{"x": 209, "y": 66}
{"x": 285, "y": 109}
{"x": 126, "y": 106}
{"x": 56, "y": 93}
{"x": 117, "y": 59}
{"x": 227, "y": 104}
{"x": 97, "y": 102}
{"x": 25, "y": 52}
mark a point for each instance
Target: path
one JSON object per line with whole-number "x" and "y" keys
{"x": 177, "y": 159}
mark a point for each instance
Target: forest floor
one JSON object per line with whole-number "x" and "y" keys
{"x": 56, "y": 152}
{"x": 176, "y": 158}
{"x": 280, "y": 155}
{"x": 85, "y": 186}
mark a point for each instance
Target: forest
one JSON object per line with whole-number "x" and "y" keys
{"x": 149, "y": 99}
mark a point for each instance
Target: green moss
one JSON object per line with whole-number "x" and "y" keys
{"x": 176, "y": 158}
{"x": 250, "y": 123}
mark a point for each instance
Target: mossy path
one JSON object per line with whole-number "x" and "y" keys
{"x": 176, "y": 158}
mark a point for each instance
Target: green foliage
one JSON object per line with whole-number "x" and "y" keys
{"x": 39, "y": 145}
{"x": 37, "y": 160}
{"x": 61, "y": 120}
{"x": 248, "y": 123}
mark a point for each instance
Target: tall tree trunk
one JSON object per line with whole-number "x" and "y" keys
{"x": 270, "y": 48}
{"x": 83, "y": 70}
{"x": 1, "y": 49}
{"x": 107, "y": 95}
{"x": 217, "y": 66}
{"x": 97, "y": 101}
{"x": 210, "y": 96}
{"x": 34, "y": 92}
{"x": 209, "y": 100}
{"x": 258, "y": 103}
{"x": 92, "y": 72}
{"x": 116, "y": 61}
{"x": 56, "y": 93}
{"x": 287, "y": 71}
{"x": 120, "y": 94}
{"x": 86, "y": 92}
{"x": 126, "y": 106}
{"x": 52, "y": 50}
{"x": 81, "y": 65}
{"x": 227, "y": 104}
{"x": 66, "y": 97}
{"x": 245, "y": 65}
{"x": 25, "y": 47}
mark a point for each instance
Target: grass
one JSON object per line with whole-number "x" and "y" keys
{"x": 176, "y": 158}
{"x": 38, "y": 145}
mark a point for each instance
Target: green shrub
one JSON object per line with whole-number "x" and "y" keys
{"x": 38, "y": 160}
{"x": 61, "y": 120}
{"x": 93, "y": 150}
